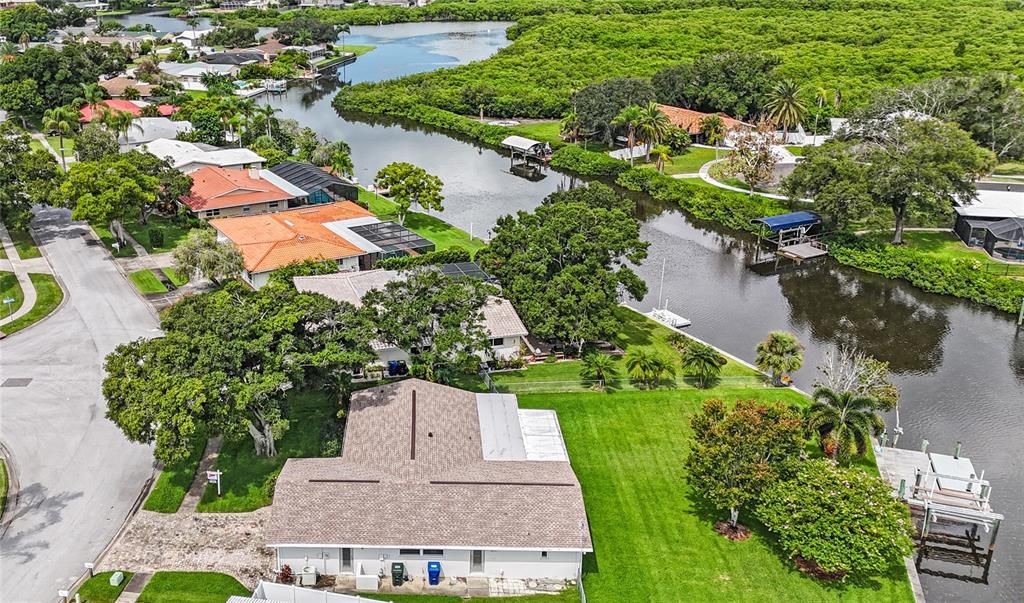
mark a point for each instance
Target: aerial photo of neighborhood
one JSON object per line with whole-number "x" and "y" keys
{"x": 511, "y": 301}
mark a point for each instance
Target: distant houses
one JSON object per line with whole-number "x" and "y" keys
{"x": 190, "y": 75}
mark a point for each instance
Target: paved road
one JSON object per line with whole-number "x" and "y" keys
{"x": 78, "y": 474}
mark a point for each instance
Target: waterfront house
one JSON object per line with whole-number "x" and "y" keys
{"x": 188, "y": 157}
{"x": 319, "y": 185}
{"x": 191, "y": 39}
{"x": 190, "y": 75}
{"x": 312, "y": 52}
{"x": 234, "y": 57}
{"x": 995, "y": 221}
{"x": 222, "y": 192}
{"x": 431, "y": 473}
{"x": 147, "y": 129}
{"x": 506, "y": 330}
{"x": 690, "y": 120}
{"x": 116, "y": 86}
{"x": 317, "y": 232}
{"x": 89, "y": 112}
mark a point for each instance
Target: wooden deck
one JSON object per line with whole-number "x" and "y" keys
{"x": 802, "y": 251}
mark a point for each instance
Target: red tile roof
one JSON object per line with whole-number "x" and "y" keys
{"x": 271, "y": 241}
{"x": 216, "y": 188}
{"x": 117, "y": 104}
{"x": 689, "y": 120}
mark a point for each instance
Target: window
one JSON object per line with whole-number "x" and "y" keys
{"x": 346, "y": 560}
{"x": 272, "y": 205}
{"x": 433, "y": 553}
{"x": 498, "y": 341}
{"x": 409, "y": 552}
{"x": 213, "y": 212}
{"x": 246, "y": 209}
{"x": 543, "y": 554}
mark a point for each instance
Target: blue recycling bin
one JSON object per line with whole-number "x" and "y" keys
{"x": 434, "y": 572}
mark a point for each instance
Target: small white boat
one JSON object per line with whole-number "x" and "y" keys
{"x": 669, "y": 318}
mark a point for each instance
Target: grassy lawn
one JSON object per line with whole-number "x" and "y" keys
{"x": 359, "y": 49}
{"x": 248, "y": 479}
{"x": 1012, "y": 168}
{"x": 441, "y": 233}
{"x": 3, "y": 487}
{"x": 948, "y": 246}
{"x": 690, "y": 161}
{"x": 174, "y": 276}
{"x": 108, "y": 239}
{"x": 799, "y": 151}
{"x": 25, "y": 244}
{"x": 98, "y": 589}
{"x": 48, "y": 297}
{"x": 147, "y": 282}
{"x": 69, "y": 145}
{"x": 173, "y": 233}
{"x": 653, "y": 540}
{"x": 191, "y": 587}
{"x": 10, "y": 289}
{"x": 35, "y": 145}
{"x": 544, "y": 131}
{"x": 174, "y": 481}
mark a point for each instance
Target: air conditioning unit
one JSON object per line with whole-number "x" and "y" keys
{"x": 308, "y": 576}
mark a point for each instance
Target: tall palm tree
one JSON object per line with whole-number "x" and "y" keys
{"x": 227, "y": 108}
{"x": 819, "y": 99}
{"x": 8, "y": 51}
{"x": 845, "y": 422}
{"x": 598, "y": 367}
{"x": 303, "y": 38}
{"x": 268, "y": 114}
{"x": 63, "y": 121}
{"x": 714, "y": 131}
{"x": 341, "y": 162}
{"x": 662, "y": 155}
{"x": 570, "y": 126}
{"x": 647, "y": 367}
{"x": 629, "y": 118}
{"x": 778, "y": 354}
{"x": 785, "y": 107}
{"x": 703, "y": 362}
{"x": 654, "y": 126}
{"x": 247, "y": 108}
{"x": 92, "y": 95}
{"x": 343, "y": 30}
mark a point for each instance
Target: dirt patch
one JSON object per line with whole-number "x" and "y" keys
{"x": 811, "y": 568}
{"x": 739, "y": 533}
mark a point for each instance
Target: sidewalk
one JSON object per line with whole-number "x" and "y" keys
{"x": 21, "y": 268}
{"x": 46, "y": 145}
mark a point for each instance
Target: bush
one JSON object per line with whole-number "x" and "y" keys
{"x": 451, "y": 255}
{"x": 843, "y": 521}
{"x": 587, "y": 163}
{"x": 156, "y": 237}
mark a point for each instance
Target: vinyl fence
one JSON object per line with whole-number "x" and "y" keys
{"x": 287, "y": 593}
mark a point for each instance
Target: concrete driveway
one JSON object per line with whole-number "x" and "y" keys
{"x": 79, "y": 476}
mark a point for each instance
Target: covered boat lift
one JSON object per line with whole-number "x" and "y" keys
{"x": 527, "y": 149}
{"x": 795, "y": 235}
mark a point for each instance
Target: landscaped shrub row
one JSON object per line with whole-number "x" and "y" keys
{"x": 451, "y": 255}
{"x": 960, "y": 278}
{"x": 587, "y": 163}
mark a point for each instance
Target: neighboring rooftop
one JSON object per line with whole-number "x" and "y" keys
{"x": 995, "y": 200}
{"x": 415, "y": 472}
{"x": 148, "y": 129}
{"x": 232, "y": 57}
{"x": 87, "y": 114}
{"x": 307, "y": 176}
{"x": 218, "y": 188}
{"x": 182, "y": 153}
{"x": 271, "y": 241}
{"x": 689, "y": 120}
{"x": 194, "y": 69}
{"x": 116, "y": 86}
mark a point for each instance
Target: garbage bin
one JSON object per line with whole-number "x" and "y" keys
{"x": 434, "y": 572}
{"x": 397, "y": 574}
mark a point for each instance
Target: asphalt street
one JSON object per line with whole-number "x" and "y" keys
{"x": 79, "y": 476}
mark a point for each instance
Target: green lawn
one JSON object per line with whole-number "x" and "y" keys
{"x": 3, "y": 487}
{"x": 35, "y": 145}
{"x": 48, "y": 297}
{"x": 107, "y": 237}
{"x": 24, "y": 244}
{"x": 545, "y": 131}
{"x": 175, "y": 277}
{"x": 653, "y": 540}
{"x": 1012, "y": 168}
{"x": 799, "y": 151}
{"x": 248, "y": 479}
{"x": 69, "y": 145}
{"x": 10, "y": 289}
{"x": 146, "y": 281}
{"x": 98, "y": 589}
{"x": 191, "y": 587}
{"x": 947, "y": 245}
{"x": 174, "y": 481}
{"x": 441, "y": 233}
{"x": 359, "y": 49}
{"x": 173, "y": 233}
{"x": 690, "y": 161}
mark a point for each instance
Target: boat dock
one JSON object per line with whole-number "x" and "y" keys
{"x": 803, "y": 251}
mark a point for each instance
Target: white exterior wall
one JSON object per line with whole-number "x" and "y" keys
{"x": 455, "y": 563}
{"x": 508, "y": 349}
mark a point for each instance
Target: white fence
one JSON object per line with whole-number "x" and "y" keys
{"x": 287, "y": 593}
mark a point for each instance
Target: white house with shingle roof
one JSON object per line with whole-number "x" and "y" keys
{"x": 502, "y": 322}
{"x": 434, "y": 473}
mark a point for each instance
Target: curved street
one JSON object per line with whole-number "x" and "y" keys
{"x": 78, "y": 475}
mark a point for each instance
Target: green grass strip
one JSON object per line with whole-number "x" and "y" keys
{"x": 98, "y": 589}
{"x": 147, "y": 282}
{"x": 48, "y": 297}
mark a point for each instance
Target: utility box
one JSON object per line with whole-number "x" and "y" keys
{"x": 397, "y": 574}
{"x": 116, "y": 578}
{"x": 434, "y": 572}
{"x": 308, "y": 576}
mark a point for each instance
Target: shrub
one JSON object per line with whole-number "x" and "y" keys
{"x": 285, "y": 576}
{"x": 156, "y": 237}
{"x": 451, "y": 255}
{"x": 587, "y": 163}
{"x": 844, "y": 521}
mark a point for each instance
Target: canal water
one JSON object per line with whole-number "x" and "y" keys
{"x": 960, "y": 366}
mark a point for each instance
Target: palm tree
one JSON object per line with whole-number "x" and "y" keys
{"x": 343, "y": 30}
{"x": 570, "y": 126}
{"x": 227, "y": 108}
{"x": 303, "y": 38}
{"x": 8, "y": 51}
{"x": 598, "y": 367}
{"x": 61, "y": 120}
{"x": 778, "y": 354}
{"x": 713, "y": 129}
{"x": 703, "y": 362}
{"x": 92, "y": 95}
{"x": 647, "y": 367}
{"x": 247, "y": 107}
{"x": 785, "y": 107}
{"x": 653, "y": 127}
{"x": 662, "y": 155}
{"x": 268, "y": 114}
{"x": 845, "y": 422}
{"x": 341, "y": 162}
{"x": 193, "y": 22}
{"x": 820, "y": 100}
{"x": 630, "y": 118}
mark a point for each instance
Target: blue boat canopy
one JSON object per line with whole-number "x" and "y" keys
{"x": 787, "y": 221}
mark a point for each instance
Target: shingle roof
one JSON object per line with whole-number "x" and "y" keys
{"x": 413, "y": 473}
{"x": 500, "y": 318}
{"x": 271, "y": 241}
{"x": 217, "y": 188}
{"x": 689, "y": 120}
{"x": 116, "y": 86}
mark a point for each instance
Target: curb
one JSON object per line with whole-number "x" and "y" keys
{"x": 13, "y": 489}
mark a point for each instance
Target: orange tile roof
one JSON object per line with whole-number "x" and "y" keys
{"x": 216, "y": 188}
{"x": 271, "y": 241}
{"x": 689, "y": 120}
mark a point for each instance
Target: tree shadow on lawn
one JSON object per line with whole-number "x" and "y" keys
{"x": 709, "y": 514}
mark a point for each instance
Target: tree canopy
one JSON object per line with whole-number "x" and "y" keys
{"x": 110, "y": 190}
{"x": 563, "y": 265}
{"x": 739, "y": 84}
{"x": 408, "y": 185}
{"x": 597, "y": 105}
{"x": 26, "y": 175}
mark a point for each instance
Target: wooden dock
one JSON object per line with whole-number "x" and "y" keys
{"x": 803, "y": 251}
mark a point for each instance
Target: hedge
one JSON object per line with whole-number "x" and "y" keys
{"x": 587, "y": 163}
{"x": 451, "y": 255}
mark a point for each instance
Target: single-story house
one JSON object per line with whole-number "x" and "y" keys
{"x": 87, "y": 113}
{"x": 431, "y": 473}
{"x": 690, "y": 120}
{"x": 147, "y": 129}
{"x": 506, "y": 329}
{"x": 316, "y": 232}
{"x": 191, "y": 74}
{"x": 994, "y": 220}
{"x": 313, "y": 52}
{"x": 269, "y": 48}
{"x": 191, "y": 39}
{"x": 234, "y": 57}
{"x": 221, "y": 192}
{"x": 320, "y": 186}
{"x": 116, "y": 86}
{"x": 188, "y": 157}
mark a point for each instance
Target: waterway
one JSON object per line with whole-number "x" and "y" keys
{"x": 959, "y": 366}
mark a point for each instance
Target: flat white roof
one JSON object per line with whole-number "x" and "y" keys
{"x": 182, "y": 153}
{"x": 510, "y": 433}
{"x": 994, "y": 204}
{"x": 542, "y": 435}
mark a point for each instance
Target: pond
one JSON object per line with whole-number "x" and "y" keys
{"x": 960, "y": 366}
